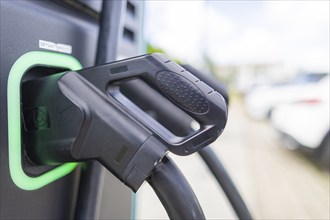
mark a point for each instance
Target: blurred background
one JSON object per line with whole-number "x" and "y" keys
{"x": 273, "y": 57}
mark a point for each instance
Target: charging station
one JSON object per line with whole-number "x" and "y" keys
{"x": 39, "y": 38}
{"x": 66, "y": 109}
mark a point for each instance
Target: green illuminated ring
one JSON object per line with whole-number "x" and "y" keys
{"x": 16, "y": 73}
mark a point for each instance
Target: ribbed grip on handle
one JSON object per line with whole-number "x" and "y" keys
{"x": 184, "y": 92}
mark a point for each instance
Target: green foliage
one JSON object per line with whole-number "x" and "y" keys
{"x": 153, "y": 49}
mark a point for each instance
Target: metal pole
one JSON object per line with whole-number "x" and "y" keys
{"x": 92, "y": 176}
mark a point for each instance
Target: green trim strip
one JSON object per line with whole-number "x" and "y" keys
{"x": 16, "y": 73}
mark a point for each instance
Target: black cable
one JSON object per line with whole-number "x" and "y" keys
{"x": 220, "y": 173}
{"x": 92, "y": 176}
{"x": 174, "y": 191}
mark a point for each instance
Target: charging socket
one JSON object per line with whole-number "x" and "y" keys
{"x": 34, "y": 119}
{"x": 35, "y": 64}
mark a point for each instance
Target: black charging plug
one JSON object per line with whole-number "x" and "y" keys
{"x": 78, "y": 116}
{"x": 74, "y": 121}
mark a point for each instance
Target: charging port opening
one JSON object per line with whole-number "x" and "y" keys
{"x": 37, "y": 118}
{"x": 41, "y": 71}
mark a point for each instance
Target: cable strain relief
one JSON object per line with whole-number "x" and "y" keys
{"x": 146, "y": 158}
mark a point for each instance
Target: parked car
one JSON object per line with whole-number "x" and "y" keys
{"x": 305, "y": 122}
{"x": 261, "y": 101}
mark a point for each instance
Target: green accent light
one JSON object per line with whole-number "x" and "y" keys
{"x": 25, "y": 62}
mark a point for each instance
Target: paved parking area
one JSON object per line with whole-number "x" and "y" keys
{"x": 274, "y": 182}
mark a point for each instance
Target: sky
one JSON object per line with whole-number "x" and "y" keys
{"x": 293, "y": 33}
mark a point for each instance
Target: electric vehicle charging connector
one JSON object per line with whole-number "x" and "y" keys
{"x": 86, "y": 117}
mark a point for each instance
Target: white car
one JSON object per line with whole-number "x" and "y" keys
{"x": 306, "y": 121}
{"x": 261, "y": 101}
